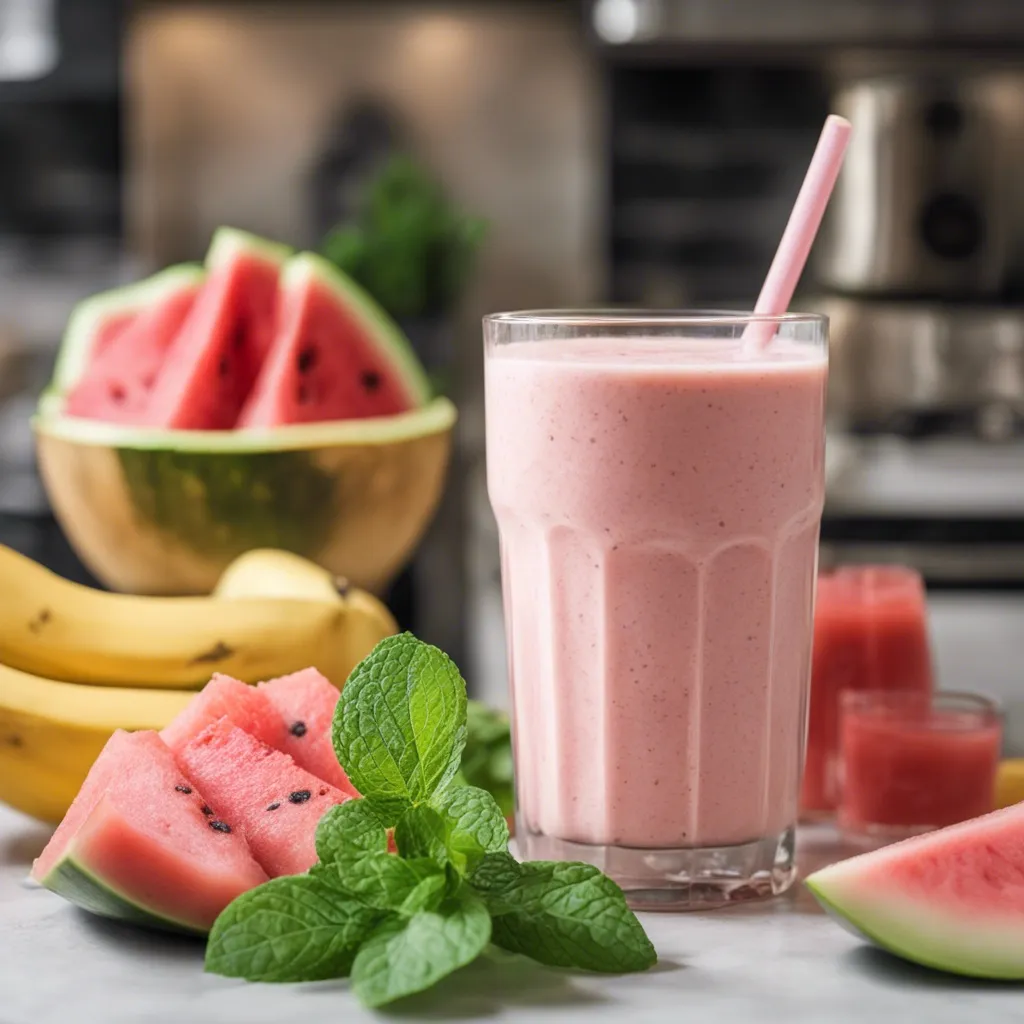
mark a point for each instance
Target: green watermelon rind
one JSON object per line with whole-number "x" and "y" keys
{"x": 77, "y": 884}
{"x": 437, "y": 417}
{"x": 917, "y": 934}
{"x": 387, "y": 336}
{"x": 131, "y": 298}
{"x": 228, "y": 244}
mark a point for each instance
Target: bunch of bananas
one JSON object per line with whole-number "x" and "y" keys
{"x": 78, "y": 663}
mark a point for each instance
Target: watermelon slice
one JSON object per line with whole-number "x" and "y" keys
{"x": 224, "y": 697}
{"x": 138, "y": 844}
{"x": 951, "y": 900}
{"x": 305, "y": 701}
{"x": 117, "y": 384}
{"x": 336, "y": 354}
{"x": 212, "y": 364}
{"x": 98, "y": 320}
{"x": 277, "y": 803}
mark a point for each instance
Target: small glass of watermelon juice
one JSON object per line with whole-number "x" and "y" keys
{"x": 911, "y": 762}
{"x": 870, "y": 633}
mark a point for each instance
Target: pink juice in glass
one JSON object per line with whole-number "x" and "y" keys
{"x": 659, "y": 501}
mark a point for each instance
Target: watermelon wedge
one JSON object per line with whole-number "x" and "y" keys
{"x": 277, "y": 804}
{"x": 96, "y": 321}
{"x": 137, "y": 845}
{"x": 336, "y": 354}
{"x": 216, "y": 357}
{"x": 117, "y": 384}
{"x": 225, "y": 697}
{"x": 305, "y": 701}
{"x": 951, "y": 900}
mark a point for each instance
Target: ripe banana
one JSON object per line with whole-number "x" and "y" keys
{"x": 269, "y": 572}
{"x": 61, "y": 630}
{"x": 50, "y": 734}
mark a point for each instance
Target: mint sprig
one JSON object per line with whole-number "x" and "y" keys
{"x": 399, "y": 922}
{"x": 400, "y": 724}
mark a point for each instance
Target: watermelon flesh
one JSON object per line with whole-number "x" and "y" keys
{"x": 336, "y": 355}
{"x": 137, "y": 845}
{"x": 951, "y": 899}
{"x": 224, "y": 697}
{"x": 119, "y": 381}
{"x": 277, "y": 803}
{"x": 211, "y": 366}
{"x": 305, "y": 702}
{"x": 97, "y": 321}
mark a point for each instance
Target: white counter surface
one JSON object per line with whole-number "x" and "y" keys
{"x": 781, "y": 961}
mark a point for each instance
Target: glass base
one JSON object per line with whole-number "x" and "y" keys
{"x": 694, "y": 878}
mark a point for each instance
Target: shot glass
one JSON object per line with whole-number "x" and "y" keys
{"x": 915, "y": 762}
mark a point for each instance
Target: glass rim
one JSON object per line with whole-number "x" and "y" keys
{"x": 647, "y": 317}
{"x": 930, "y": 702}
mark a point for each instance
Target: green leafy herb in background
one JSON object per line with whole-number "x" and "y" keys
{"x": 487, "y": 758}
{"x": 408, "y": 246}
{"x": 398, "y": 923}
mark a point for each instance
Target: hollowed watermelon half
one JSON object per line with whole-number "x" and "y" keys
{"x": 336, "y": 355}
{"x": 97, "y": 321}
{"x": 215, "y": 358}
{"x": 121, "y": 375}
{"x": 951, "y": 900}
{"x": 141, "y": 844}
{"x": 277, "y": 803}
{"x": 156, "y": 511}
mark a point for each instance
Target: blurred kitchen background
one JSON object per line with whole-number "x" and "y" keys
{"x": 621, "y": 151}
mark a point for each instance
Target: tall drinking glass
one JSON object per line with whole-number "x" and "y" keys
{"x": 658, "y": 486}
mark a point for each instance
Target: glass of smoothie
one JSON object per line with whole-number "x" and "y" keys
{"x": 870, "y": 633}
{"x": 914, "y": 762}
{"x": 658, "y": 486}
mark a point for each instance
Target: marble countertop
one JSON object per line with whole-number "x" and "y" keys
{"x": 778, "y": 961}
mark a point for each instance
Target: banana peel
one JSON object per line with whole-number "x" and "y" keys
{"x": 269, "y": 572}
{"x": 51, "y": 732}
{"x": 1010, "y": 782}
{"x": 57, "y": 629}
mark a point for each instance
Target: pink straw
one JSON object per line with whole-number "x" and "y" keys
{"x": 804, "y": 221}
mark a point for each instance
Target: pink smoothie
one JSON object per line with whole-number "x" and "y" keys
{"x": 659, "y": 505}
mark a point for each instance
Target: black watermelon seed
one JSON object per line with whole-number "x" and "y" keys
{"x": 307, "y": 359}
{"x": 370, "y": 380}
{"x": 273, "y": 807}
{"x": 220, "y": 826}
{"x": 183, "y": 789}
{"x": 300, "y": 796}
{"x": 207, "y": 811}
{"x": 298, "y": 729}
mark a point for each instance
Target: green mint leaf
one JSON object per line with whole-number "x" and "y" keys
{"x": 422, "y": 832}
{"x": 476, "y": 825}
{"x": 300, "y": 928}
{"x": 496, "y": 873}
{"x": 564, "y": 915}
{"x": 400, "y": 725}
{"x": 349, "y": 830}
{"x": 427, "y": 895}
{"x": 385, "y": 881}
{"x": 403, "y": 957}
